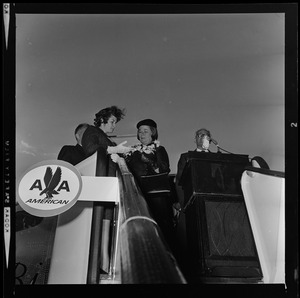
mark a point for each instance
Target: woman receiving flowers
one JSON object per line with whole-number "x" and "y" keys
{"x": 149, "y": 162}
{"x": 148, "y": 157}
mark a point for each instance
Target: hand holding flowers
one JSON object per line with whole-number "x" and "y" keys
{"x": 148, "y": 149}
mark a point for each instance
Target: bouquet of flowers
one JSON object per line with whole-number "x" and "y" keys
{"x": 147, "y": 149}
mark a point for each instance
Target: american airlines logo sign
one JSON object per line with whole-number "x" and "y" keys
{"x": 49, "y": 188}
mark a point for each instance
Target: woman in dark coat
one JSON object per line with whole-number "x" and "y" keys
{"x": 149, "y": 163}
{"x": 95, "y": 139}
{"x": 148, "y": 157}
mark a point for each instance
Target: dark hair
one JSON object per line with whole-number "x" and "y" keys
{"x": 80, "y": 126}
{"x": 154, "y": 134}
{"x": 103, "y": 115}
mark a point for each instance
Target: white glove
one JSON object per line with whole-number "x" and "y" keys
{"x": 119, "y": 149}
{"x": 115, "y": 157}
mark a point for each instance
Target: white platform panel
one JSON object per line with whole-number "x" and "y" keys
{"x": 265, "y": 199}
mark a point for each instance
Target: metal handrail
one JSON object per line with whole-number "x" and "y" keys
{"x": 266, "y": 171}
{"x": 145, "y": 257}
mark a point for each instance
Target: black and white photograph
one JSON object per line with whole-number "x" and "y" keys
{"x": 150, "y": 144}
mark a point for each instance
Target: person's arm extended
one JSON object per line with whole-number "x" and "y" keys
{"x": 93, "y": 139}
{"x": 121, "y": 149}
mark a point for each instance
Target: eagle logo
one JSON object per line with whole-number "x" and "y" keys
{"x": 51, "y": 181}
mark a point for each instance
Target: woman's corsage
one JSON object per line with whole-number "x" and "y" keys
{"x": 147, "y": 149}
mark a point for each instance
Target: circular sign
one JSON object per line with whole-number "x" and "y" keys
{"x": 49, "y": 188}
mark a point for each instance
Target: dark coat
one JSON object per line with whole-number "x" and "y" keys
{"x": 160, "y": 204}
{"x": 139, "y": 167}
{"x": 72, "y": 154}
{"x": 95, "y": 139}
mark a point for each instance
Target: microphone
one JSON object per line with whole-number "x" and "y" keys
{"x": 214, "y": 142}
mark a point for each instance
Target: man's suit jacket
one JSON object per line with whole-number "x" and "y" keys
{"x": 72, "y": 154}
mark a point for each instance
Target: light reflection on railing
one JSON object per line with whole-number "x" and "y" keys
{"x": 145, "y": 259}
